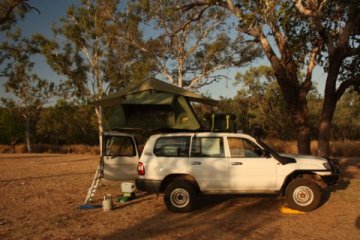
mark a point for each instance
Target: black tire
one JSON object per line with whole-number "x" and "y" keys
{"x": 180, "y": 196}
{"x": 303, "y": 195}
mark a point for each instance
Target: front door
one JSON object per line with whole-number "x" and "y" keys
{"x": 250, "y": 170}
{"x": 120, "y": 157}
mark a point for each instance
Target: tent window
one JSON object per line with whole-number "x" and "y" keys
{"x": 148, "y": 115}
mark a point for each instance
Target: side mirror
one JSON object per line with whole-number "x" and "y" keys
{"x": 262, "y": 152}
{"x": 267, "y": 153}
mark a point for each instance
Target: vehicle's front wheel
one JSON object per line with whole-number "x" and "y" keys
{"x": 303, "y": 195}
{"x": 179, "y": 196}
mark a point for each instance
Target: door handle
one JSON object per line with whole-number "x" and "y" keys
{"x": 236, "y": 163}
{"x": 195, "y": 163}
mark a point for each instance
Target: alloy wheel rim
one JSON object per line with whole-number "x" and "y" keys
{"x": 179, "y": 197}
{"x": 303, "y": 196}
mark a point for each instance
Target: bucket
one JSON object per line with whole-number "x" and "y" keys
{"x": 107, "y": 203}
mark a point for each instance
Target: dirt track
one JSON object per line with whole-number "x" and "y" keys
{"x": 40, "y": 197}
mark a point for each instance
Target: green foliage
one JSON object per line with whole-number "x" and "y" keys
{"x": 191, "y": 47}
{"x": 346, "y": 124}
{"x": 278, "y": 19}
{"x": 29, "y": 92}
{"x": 12, "y": 127}
{"x": 66, "y": 123}
{"x": 11, "y": 11}
{"x": 260, "y": 102}
{"x": 89, "y": 51}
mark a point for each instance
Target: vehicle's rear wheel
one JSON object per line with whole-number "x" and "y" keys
{"x": 179, "y": 196}
{"x": 303, "y": 195}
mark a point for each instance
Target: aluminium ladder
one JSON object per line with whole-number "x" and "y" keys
{"x": 94, "y": 185}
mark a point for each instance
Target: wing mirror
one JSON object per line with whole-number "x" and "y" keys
{"x": 262, "y": 152}
{"x": 267, "y": 153}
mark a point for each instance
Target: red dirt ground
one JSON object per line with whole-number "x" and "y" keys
{"x": 40, "y": 196}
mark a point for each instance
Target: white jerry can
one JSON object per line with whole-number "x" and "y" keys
{"x": 127, "y": 187}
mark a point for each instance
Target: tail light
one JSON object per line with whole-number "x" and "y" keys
{"x": 141, "y": 168}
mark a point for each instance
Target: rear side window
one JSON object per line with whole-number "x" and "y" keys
{"x": 172, "y": 147}
{"x": 119, "y": 146}
{"x": 207, "y": 147}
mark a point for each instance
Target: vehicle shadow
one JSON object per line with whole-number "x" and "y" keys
{"x": 343, "y": 184}
{"x": 216, "y": 216}
{"x": 357, "y": 223}
{"x": 350, "y": 168}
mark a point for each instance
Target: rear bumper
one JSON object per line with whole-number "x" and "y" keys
{"x": 150, "y": 186}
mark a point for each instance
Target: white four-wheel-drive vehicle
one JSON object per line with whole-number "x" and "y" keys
{"x": 184, "y": 165}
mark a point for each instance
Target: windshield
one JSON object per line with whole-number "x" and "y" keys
{"x": 282, "y": 159}
{"x": 265, "y": 146}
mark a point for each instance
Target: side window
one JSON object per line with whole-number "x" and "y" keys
{"x": 207, "y": 147}
{"x": 172, "y": 147}
{"x": 243, "y": 148}
{"x": 119, "y": 146}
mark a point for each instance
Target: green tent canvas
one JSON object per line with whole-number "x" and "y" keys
{"x": 152, "y": 104}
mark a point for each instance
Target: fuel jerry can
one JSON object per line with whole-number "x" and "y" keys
{"x": 220, "y": 122}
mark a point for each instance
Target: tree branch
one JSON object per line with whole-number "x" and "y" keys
{"x": 6, "y": 12}
{"x": 353, "y": 82}
{"x": 187, "y": 7}
{"x": 352, "y": 23}
{"x": 191, "y": 20}
{"x": 307, "y": 84}
{"x": 313, "y": 11}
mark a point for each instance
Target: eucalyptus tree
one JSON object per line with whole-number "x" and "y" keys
{"x": 292, "y": 35}
{"x": 191, "y": 48}
{"x": 88, "y": 49}
{"x": 29, "y": 92}
{"x": 336, "y": 24}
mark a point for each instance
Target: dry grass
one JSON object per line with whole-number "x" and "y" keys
{"x": 47, "y": 148}
{"x": 337, "y": 148}
{"x": 41, "y": 195}
{"x": 346, "y": 148}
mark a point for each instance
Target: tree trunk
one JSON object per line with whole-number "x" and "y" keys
{"x": 294, "y": 95}
{"x": 324, "y": 138}
{"x": 329, "y": 105}
{"x": 296, "y": 102}
{"x": 99, "y": 115}
{"x": 27, "y": 135}
{"x": 325, "y": 125}
{"x": 303, "y": 140}
{"x": 12, "y": 146}
{"x": 299, "y": 119}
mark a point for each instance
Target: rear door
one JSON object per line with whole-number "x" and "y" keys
{"x": 120, "y": 157}
{"x": 208, "y": 164}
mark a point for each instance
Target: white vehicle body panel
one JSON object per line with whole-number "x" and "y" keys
{"x": 226, "y": 174}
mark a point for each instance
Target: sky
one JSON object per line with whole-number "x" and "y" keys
{"x": 52, "y": 10}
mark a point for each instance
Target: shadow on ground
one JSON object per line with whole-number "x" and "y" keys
{"x": 225, "y": 216}
{"x": 350, "y": 168}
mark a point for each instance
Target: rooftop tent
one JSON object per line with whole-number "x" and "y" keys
{"x": 152, "y": 104}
